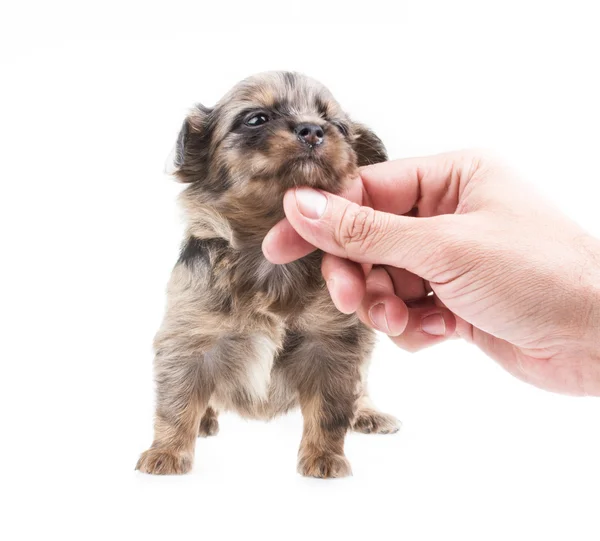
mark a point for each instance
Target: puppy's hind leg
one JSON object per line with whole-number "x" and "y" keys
{"x": 369, "y": 420}
{"x": 209, "y": 424}
{"x": 184, "y": 390}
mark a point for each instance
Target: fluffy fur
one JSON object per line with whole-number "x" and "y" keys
{"x": 240, "y": 333}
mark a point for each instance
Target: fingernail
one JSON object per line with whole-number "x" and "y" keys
{"x": 330, "y": 284}
{"x": 378, "y": 317}
{"x": 265, "y": 243}
{"x": 311, "y": 203}
{"x": 434, "y": 324}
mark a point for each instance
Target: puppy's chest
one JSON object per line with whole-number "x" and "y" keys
{"x": 257, "y": 285}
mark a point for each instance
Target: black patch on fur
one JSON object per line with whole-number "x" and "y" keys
{"x": 196, "y": 251}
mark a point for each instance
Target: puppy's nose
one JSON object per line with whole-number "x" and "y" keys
{"x": 310, "y": 134}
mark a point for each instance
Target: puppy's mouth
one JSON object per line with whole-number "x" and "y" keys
{"x": 310, "y": 155}
{"x": 311, "y": 167}
{"x": 308, "y": 159}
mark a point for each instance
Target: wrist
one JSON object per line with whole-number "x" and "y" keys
{"x": 594, "y": 302}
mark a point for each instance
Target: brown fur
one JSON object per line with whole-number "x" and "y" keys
{"x": 240, "y": 333}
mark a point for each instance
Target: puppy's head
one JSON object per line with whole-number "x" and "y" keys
{"x": 271, "y": 132}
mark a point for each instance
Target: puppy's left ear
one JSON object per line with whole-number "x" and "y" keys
{"x": 368, "y": 147}
{"x": 189, "y": 159}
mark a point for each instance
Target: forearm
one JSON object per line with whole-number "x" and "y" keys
{"x": 594, "y": 321}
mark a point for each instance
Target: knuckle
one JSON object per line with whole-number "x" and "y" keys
{"x": 358, "y": 229}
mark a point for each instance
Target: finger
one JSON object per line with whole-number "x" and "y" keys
{"x": 407, "y": 286}
{"x": 426, "y": 327}
{"x": 282, "y": 244}
{"x": 380, "y": 307}
{"x": 432, "y": 184}
{"x": 345, "y": 282}
{"x": 412, "y": 328}
{"x": 348, "y": 290}
{"x": 361, "y": 234}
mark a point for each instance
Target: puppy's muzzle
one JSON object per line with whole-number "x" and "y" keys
{"x": 311, "y": 135}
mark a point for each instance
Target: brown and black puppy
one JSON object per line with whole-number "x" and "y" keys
{"x": 241, "y": 333}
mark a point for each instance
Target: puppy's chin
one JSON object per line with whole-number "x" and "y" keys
{"x": 307, "y": 172}
{"x": 319, "y": 176}
{"x": 314, "y": 169}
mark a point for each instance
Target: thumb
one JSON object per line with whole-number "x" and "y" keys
{"x": 345, "y": 229}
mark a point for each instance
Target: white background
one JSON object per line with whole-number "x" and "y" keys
{"x": 92, "y": 96}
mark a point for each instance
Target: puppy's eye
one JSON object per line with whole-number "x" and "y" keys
{"x": 341, "y": 126}
{"x": 257, "y": 120}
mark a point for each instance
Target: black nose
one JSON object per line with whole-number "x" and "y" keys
{"x": 310, "y": 134}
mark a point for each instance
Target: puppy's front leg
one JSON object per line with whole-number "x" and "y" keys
{"x": 183, "y": 392}
{"x": 327, "y": 374}
{"x": 322, "y": 448}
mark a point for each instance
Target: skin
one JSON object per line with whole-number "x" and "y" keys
{"x": 456, "y": 245}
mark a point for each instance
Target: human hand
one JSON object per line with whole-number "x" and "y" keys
{"x": 506, "y": 270}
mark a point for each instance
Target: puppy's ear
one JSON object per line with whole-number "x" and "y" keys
{"x": 179, "y": 155}
{"x": 368, "y": 147}
{"x": 191, "y": 154}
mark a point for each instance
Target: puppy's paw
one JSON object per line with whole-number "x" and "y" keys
{"x": 324, "y": 465}
{"x": 164, "y": 462}
{"x": 374, "y": 422}
{"x": 209, "y": 426}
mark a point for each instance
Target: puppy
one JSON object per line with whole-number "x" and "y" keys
{"x": 241, "y": 333}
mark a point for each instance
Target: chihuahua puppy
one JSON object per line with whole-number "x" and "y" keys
{"x": 241, "y": 333}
